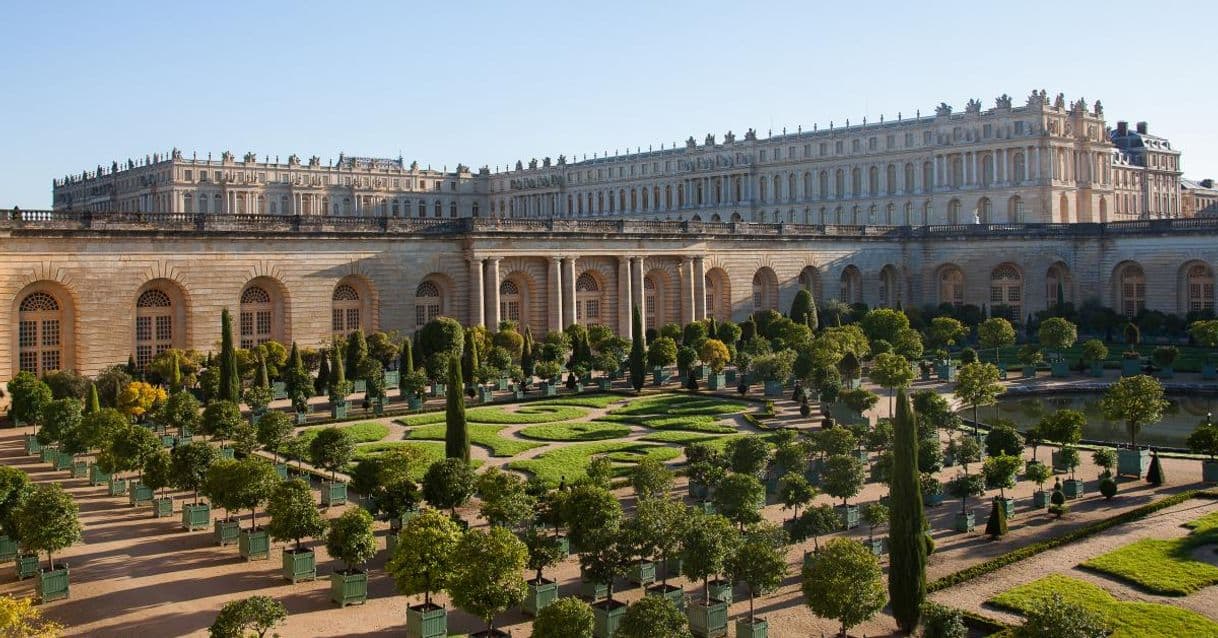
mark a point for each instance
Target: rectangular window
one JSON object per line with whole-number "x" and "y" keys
{"x": 50, "y": 360}
{"x": 143, "y": 328}
{"x": 336, "y": 320}
{"x": 27, "y": 334}
{"x": 50, "y": 333}
{"x": 164, "y": 328}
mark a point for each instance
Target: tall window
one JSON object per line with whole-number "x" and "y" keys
{"x": 890, "y": 290}
{"x": 153, "y": 326}
{"x": 1200, "y": 288}
{"x": 650, "y": 299}
{"x": 256, "y": 317}
{"x": 588, "y": 298}
{"x": 708, "y": 284}
{"x": 851, "y": 285}
{"x": 765, "y": 290}
{"x": 39, "y": 343}
{"x": 344, "y": 310}
{"x": 428, "y": 303}
{"x": 509, "y": 301}
{"x": 1006, "y": 292}
{"x": 951, "y": 286}
{"x": 1133, "y": 290}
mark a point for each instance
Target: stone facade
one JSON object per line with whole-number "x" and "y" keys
{"x": 86, "y": 290}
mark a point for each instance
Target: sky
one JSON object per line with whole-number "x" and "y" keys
{"x": 489, "y": 83}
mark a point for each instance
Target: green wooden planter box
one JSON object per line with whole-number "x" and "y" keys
{"x": 426, "y": 621}
{"x": 608, "y": 617}
{"x": 279, "y": 390}
{"x": 539, "y": 595}
{"x": 281, "y": 470}
{"x": 592, "y": 591}
{"x": 674, "y": 594}
{"x": 965, "y": 522}
{"x": 196, "y": 517}
{"x": 349, "y": 588}
{"x": 1059, "y": 464}
{"x": 756, "y": 629}
{"x": 945, "y": 371}
{"x": 932, "y": 500}
{"x": 1009, "y": 505}
{"x": 360, "y": 385}
{"x": 27, "y": 565}
{"x": 502, "y": 383}
{"x": 225, "y": 532}
{"x": 1166, "y": 372}
{"x": 849, "y": 515}
{"x": 698, "y": 491}
{"x": 642, "y": 573}
{"x": 707, "y": 507}
{"x": 1209, "y": 473}
{"x": 299, "y": 565}
{"x": 1040, "y": 499}
{"x": 1028, "y": 372}
{"x": 672, "y": 567}
{"x": 437, "y": 390}
{"x": 721, "y": 590}
{"x": 1209, "y": 371}
{"x": 485, "y": 394}
{"x": 339, "y": 410}
{"x": 117, "y": 486}
{"x": 64, "y": 461}
{"x": 392, "y": 378}
{"x": 548, "y": 389}
{"x": 729, "y": 376}
{"x": 391, "y": 543}
{"x": 658, "y": 376}
{"x": 716, "y": 381}
{"x": 875, "y": 545}
{"x": 1133, "y": 463}
{"x": 162, "y": 508}
{"x": 186, "y": 439}
{"x": 1131, "y": 367}
{"x": 32, "y": 446}
{"x": 333, "y": 494}
{"x": 773, "y": 388}
{"x": 254, "y": 544}
{"x": 1072, "y": 488}
{"x": 80, "y": 469}
{"x": 8, "y": 548}
{"x": 604, "y": 384}
{"x": 47, "y": 453}
{"x": 167, "y": 440}
{"x": 139, "y": 494}
{"x": 302, "y": 418}
{"x": 53, "y": 584}
{"x": 414, "y": 403}
{"x": 1060, "y": 369}
{"x": 707, "y": 621}
{"x": 564, "y": 545}
{"x": 228, "y": 453}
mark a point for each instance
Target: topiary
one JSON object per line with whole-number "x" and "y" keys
{"x": 1155, "y": 475}
{"x": 1108, "y": 487}
{"x": 996, "y": 527}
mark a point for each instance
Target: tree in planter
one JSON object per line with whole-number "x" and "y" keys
{"x": 448, "y": 484}
{"x": 907, "y": 571}
{"x": 331, "y": 449}
{"x": 944, "y": 332}
{"x": 1165, "y": 356}
{"x": 486, "y": 576}
{"x": 273, "y": 430}
{"x": 505, "y": 502}
{"x": 257, "y": 614}
{"x": 1106, "y": 459}
{"x": 1137, "y": 401}
{"x": 190, "y": 464}
{"x": 351, "y": 540}
{"x": 605, "y": 555}
{"x": 1094, "y": 351}
{"x": 653, "y": 617}
{"x": 875, "y": 515}
{"x": 338, "y": 384}
{"x": 589, "y": 509}
{"x": 747, "y": 455}
{"x": 1038, "y": 473}
{"x": 1204, "y": 439}
{"x": 891, "y": 371}
{"x": 843, "y": 477}
{"x": 795, "y": 492}
{"x": 996, "y": 333}
{"x": 844, "y": 582}
{"x": 158, "y": 471}
{"x": 422, "y": 562}
{"x": 657, "y": 528}
{"x": 61, "y": 420}
{"x": 759, "y": 561}
{"x": 14, "y": 488}
{"x": 220, "y": 420}
{"x": 1070, "y": 459}
{"x": 567, "y": 617}
{"x": 294, "y": 514}
{"x": 181, "y": 411}
{"x": 740, "y": 498}
{"x": 373, "y": 374}
{"x": 599, "y": 472}
{"x": 1000, "y": 471}
{"x": 29, "y": 397}
{"x": 47, "y": 521}
{"x": 965, "y": 449}
{"x": 247, "y": 485}
{"x": 1064, "y": 427}
{"x": 230, "y": 378}
{"x": 662, "y": 353}
{"x": 964, "y": 485}
{"x": 1057, "y": 335}
{"x": 129, "y": 450}
{"x": 710, "y": 540}
{"x": 650, "y": 478}
{"x": 544, "y": 550}
{"x": 687, "y": 358}
{"x": 714, "y": 353}
{"x": 815, "y": 522}
{"x": 298, "y": 385}
{"x": 977, "y": 385}
{"x": 456, "y": 430}
{"x": 1003, "y": 438}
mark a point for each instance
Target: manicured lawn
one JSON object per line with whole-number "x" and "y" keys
{"x": 526, "y": 413}
{"x": 428, "y": 452}
{"x": 687, "y": 422}
{"x": 360, "y": 432}
{"x": 1164, "y": 566}
{"x": 571, "y": 461}
{"x": 583, "y": 400}
{"x": 676, "y": 404}
{"x": 483, "y": 434}
{"x": 1127, "y": 619}
{"x": 575, "y": 431}
{"x": 426, "y": 418}
{"x": 677, "y": 437}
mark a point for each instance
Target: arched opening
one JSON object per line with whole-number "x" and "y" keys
{"x": 851, "y": 290}
{"x": 1063, "y": 209}
{"x": 809, "y": 279}
{"x": 428, "y": 302}
{"x": 985, "y": 213}
{"x": 160, "y": 321}
{"x": 652, "y": 299}
{"x": 349, "y": 307}
{"x": 951, "y": 285}
{"x": 1198, "y": 288}
{"x": 1015, "y": 210}
{"x": 510, "y": 301}
{"x": 765, "y": 290}
{"x": 44, "y": 329}
{"x": 1130, "y": 288}
{"x": 718, "y": 295}
{"x": 1006, "y": 292}
{"x": 261, "y": 316}
{"x": 589, "y": 298}
{"x": 1058, "y": 285}
{"x": 890, "y": 287}
{"x": 953, "y": 212}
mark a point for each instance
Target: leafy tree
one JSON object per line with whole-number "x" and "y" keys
{"x": 339, "y": 386}
{"x": 441, "y": 336}
{"x": 1057, "y": 334}
{"x": 111, "y": 380}
{"x": 230, "y": 378}
{"x": 423, "y": 559}
{"x": 1137, "y": 401}
{"x": 158, "y": 471}
{"x": 657, "y": 528}
{"x": 448, "y": 484}
{"x": 456, "y": 430}
{"x": 907, "y": 572}
{"x": 567, "y": 617}
{"x": 139, "y": 398}
{"x": 486, "y": 576}
{"x": 1204, "y": 439}
{"x": 350, "y": 539}
{"x": 1003, "y": 438}
{"x": 747, "y": 455}
{"x": 322, "y": 382}
{"x": 709, "y": 541}
{"x": 759, "y": 561}
{"x": 600, "y": 472}
{"x": 944, "y": 332}
{"x": 47, "y": 520}
{"x": 714, "y": 353}
{"x": 297, "y": 382}
{"x": 67, "y": 384}
{"x": 662, "y": 352}
{"x": 843, "y": 477}
{"x": 250, "y": 482}
{"x": 996, "y": 333}
{"x": 61, "y": 419}
{"x": 93, "y": 404}
{"x": 884, "y": 324}
{"x": 130, "y": 449}
{"x": 891, "y": 371}
{"x": 844, "y": 582}
{"x": 356, "y": 351}
{"x": 653, "y": 617}
{"x": 190, "y": 463}
{"x": 801, "y": 306}
{"x": 964, "y": 485}
{"x": 274, "y": 429}
{"x": 651, "y": 477}
{"x": 29, "y": 397}
{"x": 504, "y": 498}
{"x": 1064, "y": 426}
{"x": 589, "y": 510}
{"x": 331, "y": 449}
{"x": 942, "y": 622}
{"x": 1054, "y": 616}
{"x": 294, "y": 513}
{"x": 1094, "y": 351}
{"x": 258, "y": 614}
{"x": 794, "y": 492}
{"x": 14, "y": 488}
{"x": 181, "y": 411}
{"x": 544, "y": 550}
{"x": 815, "y": 522}
{"x": 1000, "y": 471}
{"x": 740, "y": 497}
{"x": 977, "y": 385}
{"x": 220, "y": 419}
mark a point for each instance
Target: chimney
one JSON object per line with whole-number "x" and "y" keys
{"x": 1122, "y": 128}
{"x": 1142, "y": 128}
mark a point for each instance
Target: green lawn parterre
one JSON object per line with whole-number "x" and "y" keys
{"x": 687, "y": 422}
{"x": 571, "y": 461}
{"x": 1127, "y": 619}
{"x": 575, "y": 431}
{"x": 428, "y": 451}
{"x": 482, "y": 434}
{"x": 359, "y": 432}
{"x": 1164, "y": 566}
{"x": 675, "y": 404}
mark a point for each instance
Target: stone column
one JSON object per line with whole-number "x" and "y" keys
{"x": 554, "y": 287}
{"x": 624, "y": 298}
{"x": 568, "y": 291}
{"x": 699, "y": 289}
{"x": 636, "y": 289}
{"x": 687, "y": 290}
{"x": 491, "y": 284}
{"x": 477, "y": 293}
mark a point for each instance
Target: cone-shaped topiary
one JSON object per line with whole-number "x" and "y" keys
{"x": 996, "y": 527}
{"x": 1155, "y": 475}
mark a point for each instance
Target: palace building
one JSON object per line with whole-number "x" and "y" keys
{"x": 998, "y": 207}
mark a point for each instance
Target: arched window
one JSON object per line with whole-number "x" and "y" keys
{"x": 839, "y": 184}
{"x": 856, "y": 182}
{"x": 345, "y": 310}
{"x": 153, "y": 326}
{"x": 1057, "y": 285}
{"x": 1006, "y": 293}
{"x": 851, "y": 290}
{"x": 588, "y": 297}
{"x": 509, "y": 301}
{"x": 873, "y": 181}
{"x": 1132, "y": 282}
{"x": 1200, "y": 288}
{"x": 188, "y": 203}
{"x": 39, "y": 336}
{"x": 928, "y": 177}
{"x": 1064, "y": 208}
{"x": 765, "y": 290}
{"x": 823, "y": 186}
{"x": 987, "y": 169}
{"x": 257, "y": 316}
{"x": 650, "y": 301}
{"x": 985, "y": 210}
{"x": 1015, "y": 210}
{"x": 428, "y": 303}
{"x": 909, "y": 178}
{"x": 953, "y": 212}
{"x": 890, "y": 287}
{"x": 791, "y": 190}
{"x": 951, "y": 286}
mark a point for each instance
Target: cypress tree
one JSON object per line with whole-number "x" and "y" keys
{"x": 296, "y": 376}
{"x": 230, "y": 379}
{"x": 264, "y": 379}
{"x": 907, "y": 569}
{"x": 801, "y": 305}
{"x": 338, "y": 373}
{"x": 456, "y": 431}
{"x": 996, "y": 526}
{"x": 812, "y": 319}
{"x": 469, "y": 359}
{"x": 526, "y": 353}
{"x": 1155, "y": 475}
{"x": 406, "y": 359}
{"x": 175, "y": 376}
{"x": 637, "y": 346}
{"x": 131, "y": 369}
{"x": 357, "y": 351}
{"x": 93, "y": 406}
{"x": 323, "y": 374}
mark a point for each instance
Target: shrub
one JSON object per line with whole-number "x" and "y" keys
{"x": 939, "y": 621}
{"x": 258, "y": 614}
{"x": 1108, "y": 487}
{"x": 567, "y": 617}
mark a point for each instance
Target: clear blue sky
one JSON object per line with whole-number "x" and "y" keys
{"x": 84, "y": 83}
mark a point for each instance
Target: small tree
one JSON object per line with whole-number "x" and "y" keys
{"x": 638, "y": 345}
{"x": 843, "y": 477}
{"x": 258, "y": 614}
{"x": 221, "y": 419}
{"x": 653, "y": 617}
{"x": 486, "y": 577}
{"x": 158, "y": 471}
{"x": 294, "y": 513}
{"x": 1000, "y": 472}
{"x": 747, "y": 455}
{"x": 190, "y": 463}
{"x": 1137, "y": 401}
{"x": 1057, "y": 334}
{"x": 844, "y": 582}
{"x": 129, "y": 449}
{"x": 1094, "y": 351}
{"x": 544, "y": 550}
{"x": 657, "y": 529}
{"x": 1204, "y": 439}
{"x": 740, "y": 498}
{"x": 181, "y": 411}
{"x": 21, "y": 619}
{"x": 350, "y": 539}
{"x": 47, "y": 520}
{"x": 891, "y": 371}
{"x": 795, "y": 492}
{"x": 1053, "y": 616}
{"x": 456, "y": 430}
{"x": 996, "y": 333}
{"x": 448, "y": 484}
{"x": 1003, "y": 438}
{"x": 662, "y": 352}
{"x": 1038, "y": 473}
{"x": 759, "y": 561}
{"x": 589, "y": 510}
{"x": 942, "y": 622}
{"x": 249, "y": 483}
{"x": 273, "y": 431}
{"x": 422, "y": 561}
{"x": 977, "y": 385}
{"x": 714, "y": 353}
{"x": 29, "y": 397}
{"x": 875, "y": 515}
{"x": 944, "y": 332}
{"x": 505, "y": 502}
{"x": 815, "y": 522}
{"x": 964, "y": 485}
{"x": 651, "y": 477}
{"x": 567, "y": 617}
{"x": 1106, "y": 459}
{"x": 709, "y": 541}
{"x": 331, "y": 449}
